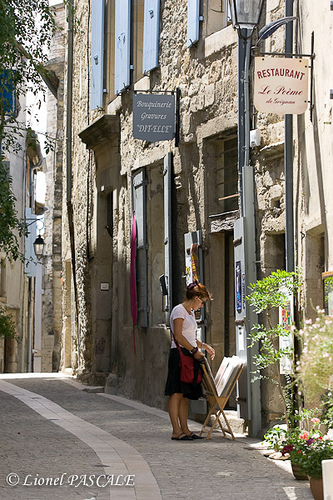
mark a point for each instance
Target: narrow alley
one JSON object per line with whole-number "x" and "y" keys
{"x": 60, "y": 442}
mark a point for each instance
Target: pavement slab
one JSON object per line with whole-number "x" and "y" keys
{"x": 51, "y": 427}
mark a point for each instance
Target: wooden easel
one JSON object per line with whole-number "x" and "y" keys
{"x": 217, "y": 403}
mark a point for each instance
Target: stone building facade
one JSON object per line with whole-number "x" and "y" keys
{"x": 19, "y": 281}
{"x": 108, "y": 174}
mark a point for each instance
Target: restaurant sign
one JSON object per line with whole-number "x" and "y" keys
{"x": 154, "y": 117}
{"x": 281, "y": 85}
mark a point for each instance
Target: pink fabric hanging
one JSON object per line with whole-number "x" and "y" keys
{"x": 134, "y": 303}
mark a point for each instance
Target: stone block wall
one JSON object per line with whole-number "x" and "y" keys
{"x": 104, "y": 158}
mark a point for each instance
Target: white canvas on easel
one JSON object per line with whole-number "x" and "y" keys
{"x": 227, "y": 376}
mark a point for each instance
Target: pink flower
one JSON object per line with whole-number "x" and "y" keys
{"x": 304, "y": 435}
{"x": 315, "y": 420}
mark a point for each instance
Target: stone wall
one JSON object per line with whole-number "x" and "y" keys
{"x": 105, "y": 156}
{"x": 52, "y": 260}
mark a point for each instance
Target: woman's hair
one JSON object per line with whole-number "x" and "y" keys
{"x": 197, "y": 289}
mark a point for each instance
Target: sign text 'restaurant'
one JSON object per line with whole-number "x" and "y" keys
{"x": 281, "y": 85}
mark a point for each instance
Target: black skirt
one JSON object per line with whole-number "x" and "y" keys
{"x": 173, "y": 383}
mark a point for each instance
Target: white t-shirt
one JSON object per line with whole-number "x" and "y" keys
{"x": 189, "y": 324}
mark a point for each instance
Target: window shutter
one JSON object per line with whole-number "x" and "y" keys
{"x": 193, "y": 14}
{"x": 167, "y": 173}
{"x": 122, "y": 44}
{"x": 29, "y": 252}
{"x": 139, "y": 206}
{"x": 8, "y": 92}
{"x": 151, "y": 35}
{"x": 97, "y": 53}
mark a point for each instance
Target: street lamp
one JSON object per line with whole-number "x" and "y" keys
{"x": 245, "y": 13}
{"x": 39, "y": 246}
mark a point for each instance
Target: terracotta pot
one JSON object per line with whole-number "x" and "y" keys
{"x": 317, "y": 488}
{"x": 298, "y": 473}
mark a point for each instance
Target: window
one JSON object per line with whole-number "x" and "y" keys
{"x": 131, "y": 42}
{"x": 148, "y": 205}
{"x": 137, "y": 39}
{"x": 216, "y": 16}
{"x": 222, "y": 174}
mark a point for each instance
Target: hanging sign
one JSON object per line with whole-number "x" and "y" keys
{"x": 153, "y": 117}
{"x": 281, "y": 85}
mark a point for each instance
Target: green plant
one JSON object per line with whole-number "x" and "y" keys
{"x": 26, "y": 30}
{"x": 327, "y": 404}
{"x": 274, "y": 437}
{"x": 11, "y": 227}
{"x": 266, "y": 295}
{"x": 7, "y": 325}
{"x": 315, "y": 365}
{"x": 280, "y": 436}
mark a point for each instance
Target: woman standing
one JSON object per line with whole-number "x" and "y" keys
{"x": 184, "y": 329}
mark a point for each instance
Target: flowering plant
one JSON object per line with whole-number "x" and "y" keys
{"x": 315, "y": 365}
{"x": 308, "y": 448}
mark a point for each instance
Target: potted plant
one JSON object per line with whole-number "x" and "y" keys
{"x": 315, "y": 375}
{"x": 293, "y": 441}
{"x": 314, "y": 450}
{"x": 296, "y": 439}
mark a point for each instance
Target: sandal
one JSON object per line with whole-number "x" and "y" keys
{"x": 182, "y": 437}
{"x": 195, "y": 436}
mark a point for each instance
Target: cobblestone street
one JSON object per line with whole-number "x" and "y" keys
{"x": 60, "y": 442}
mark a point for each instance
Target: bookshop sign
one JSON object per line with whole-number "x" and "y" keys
{"x": 281, "y": 85}
{"x": 153, "y": 117}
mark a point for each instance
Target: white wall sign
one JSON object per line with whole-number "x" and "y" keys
{"x": 281, "y": 85}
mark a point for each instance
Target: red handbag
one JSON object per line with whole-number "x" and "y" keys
{"x": 190, "y": 370}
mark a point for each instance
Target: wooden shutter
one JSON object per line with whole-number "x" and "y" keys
{"x": 139, "y": 205}
{"x": 193, "y": 14}
{"x": 151, "y": 35}
{"x": 97, "y": 53}
{"x": 167, "y": 173}
{"x": 122, "y": 44}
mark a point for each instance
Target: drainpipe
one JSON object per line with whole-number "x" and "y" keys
{"x": 69, "y": 107}
{"x": 288, "y": 157}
